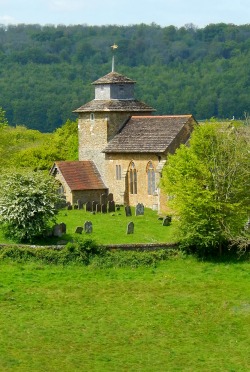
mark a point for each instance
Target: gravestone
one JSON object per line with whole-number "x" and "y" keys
{"x": 94, "y": 206}
{"x": 128, "y": 211}
{"x": 111, "y": 206}
{"x": 69, "y": 208}
{"x": 88, "y": 227}
{"x": 98, "y": 208}
{"x": 104, "y": 208}
{"x": 139, "y": 209}
{"x": 79, "y": 230}
{"x": 110, "y": 197}
{"x": 166, "y": 221}
{"x": 88, "y": 207}
{"x": 103, "y": 199}
{"x": 80, "y": 204}
{"x": 63, "y": 227}
{"x": 57, "y": 230}
{"x": 75, "y": 206}
{"x": 130, "y": 228}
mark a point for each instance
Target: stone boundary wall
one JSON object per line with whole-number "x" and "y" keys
{"x": 113, "y": 247}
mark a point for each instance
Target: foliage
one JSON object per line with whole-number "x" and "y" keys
{"x": 46, "y": 71}
{"x": 182, "y": 315}
{"x": 25, "y": 148}
{"x": 15, "y": 140}
{"x": 3, "y": 119}
{"x": 209, "y": 185}
{"x": 86, "y": 252}
{"x": 27, "y": 204}
{"x": 61, "y": 145}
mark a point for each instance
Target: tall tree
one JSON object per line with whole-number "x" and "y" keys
{"x": 209, "y": 182}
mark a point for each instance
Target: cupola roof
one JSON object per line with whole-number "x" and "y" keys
{"x": 114, "y": 78}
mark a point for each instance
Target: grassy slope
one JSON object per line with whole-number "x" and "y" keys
{"x": 180, "y": 316}
{"x": 111, "y": 229}
{"x": 108, "y": 229}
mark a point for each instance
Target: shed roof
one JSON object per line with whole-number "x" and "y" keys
{"x": 79, "y": 175}
{"x": 114, "y": 78}
{"x": 129, "y": 105}
{"x": 150, "y": 134}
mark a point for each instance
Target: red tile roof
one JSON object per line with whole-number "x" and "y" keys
{"x": 79, "y": 175}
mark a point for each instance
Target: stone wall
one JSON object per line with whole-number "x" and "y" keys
{"x": 120, "y": 188}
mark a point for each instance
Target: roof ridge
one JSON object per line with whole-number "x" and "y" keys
{"x": 160, "y": 116}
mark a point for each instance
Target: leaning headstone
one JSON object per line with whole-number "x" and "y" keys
{"x": 63, "y": 227}
{"x": 130, "y": 228}
{"x": 104, "y": 208}
{"x": 98, "y": 208}
{"x": 104, "y": 199}
{"x": 166, "y": 221}
{"x": 88, "y": 227}
{"x": 79, "y": 230}
{"x": 128, "y": 211}
{"x": 111, "y": 206}
{"x": 110, "y": 197}
{"x": 88, "y": 207}
{"x": 57, "y": 230}
{"x": 139, "y": 209}
{"x": 69, "y": 208}
{"x": 80, "y": 204}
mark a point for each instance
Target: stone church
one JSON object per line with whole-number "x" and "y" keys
{"x": 122, "y": 147}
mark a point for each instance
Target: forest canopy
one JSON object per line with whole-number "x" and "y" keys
{"x": 46, "y": 71}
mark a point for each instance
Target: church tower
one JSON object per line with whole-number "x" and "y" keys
{"x": 102, "y": 118}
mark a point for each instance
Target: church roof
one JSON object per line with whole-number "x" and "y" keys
{"x": 151, "y": 134}
{"x": 129, "y": 105}
{"x": 113, "y": 78}
{"x": 79, "y": 175}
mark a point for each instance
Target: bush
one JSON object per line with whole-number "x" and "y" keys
{"x": 86, "y": 252}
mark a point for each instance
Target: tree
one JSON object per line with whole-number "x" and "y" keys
{"x": 60, "y": 145}
{"x": 27, "y": 204}
{"x": 3, "y": 120}
{"x": 209, "y": 184}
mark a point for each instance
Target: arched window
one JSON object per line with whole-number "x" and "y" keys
{"x": 151, "y": 178}
{"x": 92, "y": 116}
{"x": 132, "y": 179}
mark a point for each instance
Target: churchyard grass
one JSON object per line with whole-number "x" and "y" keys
{"x": 110, "y": 228}
{"x": 182, "y": 315}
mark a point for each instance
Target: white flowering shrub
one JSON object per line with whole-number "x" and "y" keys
{"x": 27, "y": 204}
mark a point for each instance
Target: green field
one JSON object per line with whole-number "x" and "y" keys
{"x": 182, "y": 315}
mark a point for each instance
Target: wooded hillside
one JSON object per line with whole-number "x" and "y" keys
{"x": 46, "y": 71}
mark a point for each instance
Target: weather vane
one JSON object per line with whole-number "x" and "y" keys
{"x": 114, "y": 47}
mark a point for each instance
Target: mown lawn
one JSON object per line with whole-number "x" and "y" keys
{"x": 111, "y": 228}
{"x": 182, "y": 315}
